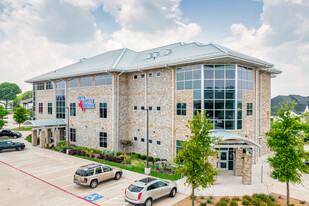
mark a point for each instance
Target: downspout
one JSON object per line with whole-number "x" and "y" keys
{"x": 256, "y": 110}
{"x": 146, "y": 107}
{"x": 260, "y": 112}
{"x": 118, "y": 109}
{"x": 173, "y": 105}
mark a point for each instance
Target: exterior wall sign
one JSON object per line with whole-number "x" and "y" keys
{"x": 85, "y": 103}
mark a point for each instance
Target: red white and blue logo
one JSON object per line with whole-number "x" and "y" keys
{"x": 85, "y": 103}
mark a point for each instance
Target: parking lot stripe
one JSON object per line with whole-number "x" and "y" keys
{"x": 60, "y": 177}
{"x": 99, "y": 189}
{"x": 110, "y": 199}
{"x": 49, "y": 183}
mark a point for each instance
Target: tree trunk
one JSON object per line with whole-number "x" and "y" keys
{"x": 6, "y": 104}
{"x": 287, "y": 193}
{"x": 19, "y": 126}
{"x": 192, "y": 196}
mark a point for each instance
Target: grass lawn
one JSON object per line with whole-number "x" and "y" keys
{"x": 133, "y": 169}
{"x": 22, "y": 129}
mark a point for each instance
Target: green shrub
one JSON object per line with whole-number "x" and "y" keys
{"x": 143, "y": 157}
{"x": 233, "y": 203}
{"x": 138, "y": 155}
{"x": 302, "y": 202}
{"x": 108, "y": 152}
{"x": 47, "y": 146}
{"x": 209, "y": 201}
{"x": 203, "y": 204}
{"x": 201, "y": 197}
{"x": 247, "y": 197}
{"x": 225, "y": 199}
{"x": 128, "y": 161}
{"x": 261, "y": 197}
{"x": 245, "y": 202}
{"x": 132, "y": 153}
{"x": 62, "y": 144}
{"x": 133, "y": 156}
{"x": 211, "y": 197}
{"x": 222, "y": 203}
{"x": 150, "y": 159}
{"x": 157, "y": 159}
{"x": 119, "y": 153}
{"x": 236, "y": 199}
{"x": 272, "y": 198}
{"x": 96, "y": 151}
{"x": 258, "y": 202}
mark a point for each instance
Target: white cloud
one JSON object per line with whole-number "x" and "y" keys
{"x": 282, "y": 39}
{"x": 37, "y": 36}
{"x": 147, "y": 24}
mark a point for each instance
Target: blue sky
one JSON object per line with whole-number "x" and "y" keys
{"x": 40, "y": 36}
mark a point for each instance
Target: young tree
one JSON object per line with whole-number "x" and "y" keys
{"x": 286, "y": 139}
{"x": 193, "y": 158}
{"x": 3, "y": 112}
{"x": 20, "y": 115}
{"x": 8, "y": 91}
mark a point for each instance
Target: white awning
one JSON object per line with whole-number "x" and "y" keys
{"x": 232, "y": 138}
{"x": 45, "y": 123}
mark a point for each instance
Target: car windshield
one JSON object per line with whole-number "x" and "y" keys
{"x": 82, "y": 173}
{"x": 134, "y": 188}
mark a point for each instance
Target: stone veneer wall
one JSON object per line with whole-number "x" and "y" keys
{"x": 87, "y": 123}
{"x": 133, "y": 122}
{"x": 247, "y": 169}
{"x": 45, "y": 97}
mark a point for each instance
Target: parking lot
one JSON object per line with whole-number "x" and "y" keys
{"x": 36, "y": 176}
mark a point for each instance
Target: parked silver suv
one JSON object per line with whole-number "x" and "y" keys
{"x": 144, "y": 191}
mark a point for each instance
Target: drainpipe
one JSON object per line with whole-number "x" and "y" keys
{"x": 256, "y": 112}
{"x": 118, "y": 109}
{"x": 260, "y": 112}
{"x": 146, "y": 114}
{"x": 173, "y": 105}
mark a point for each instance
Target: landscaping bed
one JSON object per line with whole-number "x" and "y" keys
{"x": 256, "y": 200}
{"x": 132, "y": 161}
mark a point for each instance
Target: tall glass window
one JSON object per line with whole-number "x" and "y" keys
{"x": 40, "y": 86}
{"x": 72, "y": 135}
{"x": 218, "y": 90}
{"x": 103, "y": 79}
{"x": 40, "y": 108}
{"x": 103, "y": 110}
{"x": 72, "y": 109}
{"x": 86, "y": 81}
{"x": 49, "y": 85}
{"x": 60, "y": 99}
{"x": 103, "y": 139}
{"x": 73, "y": 83}
{"x": 50, "y": 108}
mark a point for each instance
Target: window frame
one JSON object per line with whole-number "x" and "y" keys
{"x": 84, "y": 80}
{"x": 40, "y": 86}
{"x": 73, "y": 109}
{"x": 183, "y": 111}
{"x": 72, "y": 134}
{"x": 49, "y": 108}
{"x": 103, "y": 139}
{"x": 49, "y": 85}
{"x": 249, "y": 109}
{"x": 103, "y": 110}
{"x": 40, "y": 108}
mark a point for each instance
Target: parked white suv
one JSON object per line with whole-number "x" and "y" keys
{"x": 144, "y": 191}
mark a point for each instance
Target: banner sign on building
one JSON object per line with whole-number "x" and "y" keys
{"x": 85, "y": 103}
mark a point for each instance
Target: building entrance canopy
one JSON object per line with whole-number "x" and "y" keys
{"x": 45, "y": 123}
{"x": 233, "y": 140}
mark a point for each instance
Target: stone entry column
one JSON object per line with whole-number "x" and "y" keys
{"x": 238, "y": 162}
{"x": 34, "y": 138}
{"x": 56, "y": 137}
{"x": 43, "y": 139}
{"x": 48, "y": 136}
{"x": 247, "y": 169}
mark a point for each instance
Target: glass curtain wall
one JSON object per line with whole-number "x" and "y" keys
{"x": 60, "y": 99}
{"x": 217, "y": 89}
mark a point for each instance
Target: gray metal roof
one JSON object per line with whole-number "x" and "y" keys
{"x": 127, "y": 60}
{"x": 300, "y": 107}
{"x": 45, "y": 123}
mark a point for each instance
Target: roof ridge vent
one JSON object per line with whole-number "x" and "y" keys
{"x": 82, "y": 60}
{"x": 156, "y": 54}
{"x": 168, "y": 51}
{"x": 150, "y": 55}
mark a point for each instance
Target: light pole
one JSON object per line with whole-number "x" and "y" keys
{"x": 147, "y": 170}
{"x": 68, "y": 126}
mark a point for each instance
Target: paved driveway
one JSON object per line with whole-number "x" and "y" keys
{"x": 36, "y": 176}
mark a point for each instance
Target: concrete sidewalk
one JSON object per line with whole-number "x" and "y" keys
{"x": 230, "y": 185}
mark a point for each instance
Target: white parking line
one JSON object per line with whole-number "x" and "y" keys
{"x": 43, "y": 168}
{"x": 60, "y": 177}
{"x": 103, "y": 186}
{"x": 68, "y": 185}
{"x": 110, "y": 199}
{"x": 53, "y": 171}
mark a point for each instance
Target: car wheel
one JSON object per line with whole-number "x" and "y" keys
{"x": 148, "y": 202}
{"x": 18, "y": 148}
{"x": 93, "y": 184}
{"x": 173, "y": 192}
{"x": 117, "y": 176}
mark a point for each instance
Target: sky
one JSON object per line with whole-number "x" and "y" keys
{"x": 38, "y": 36}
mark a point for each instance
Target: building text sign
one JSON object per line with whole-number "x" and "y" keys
{"x": 85, "y": 103}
